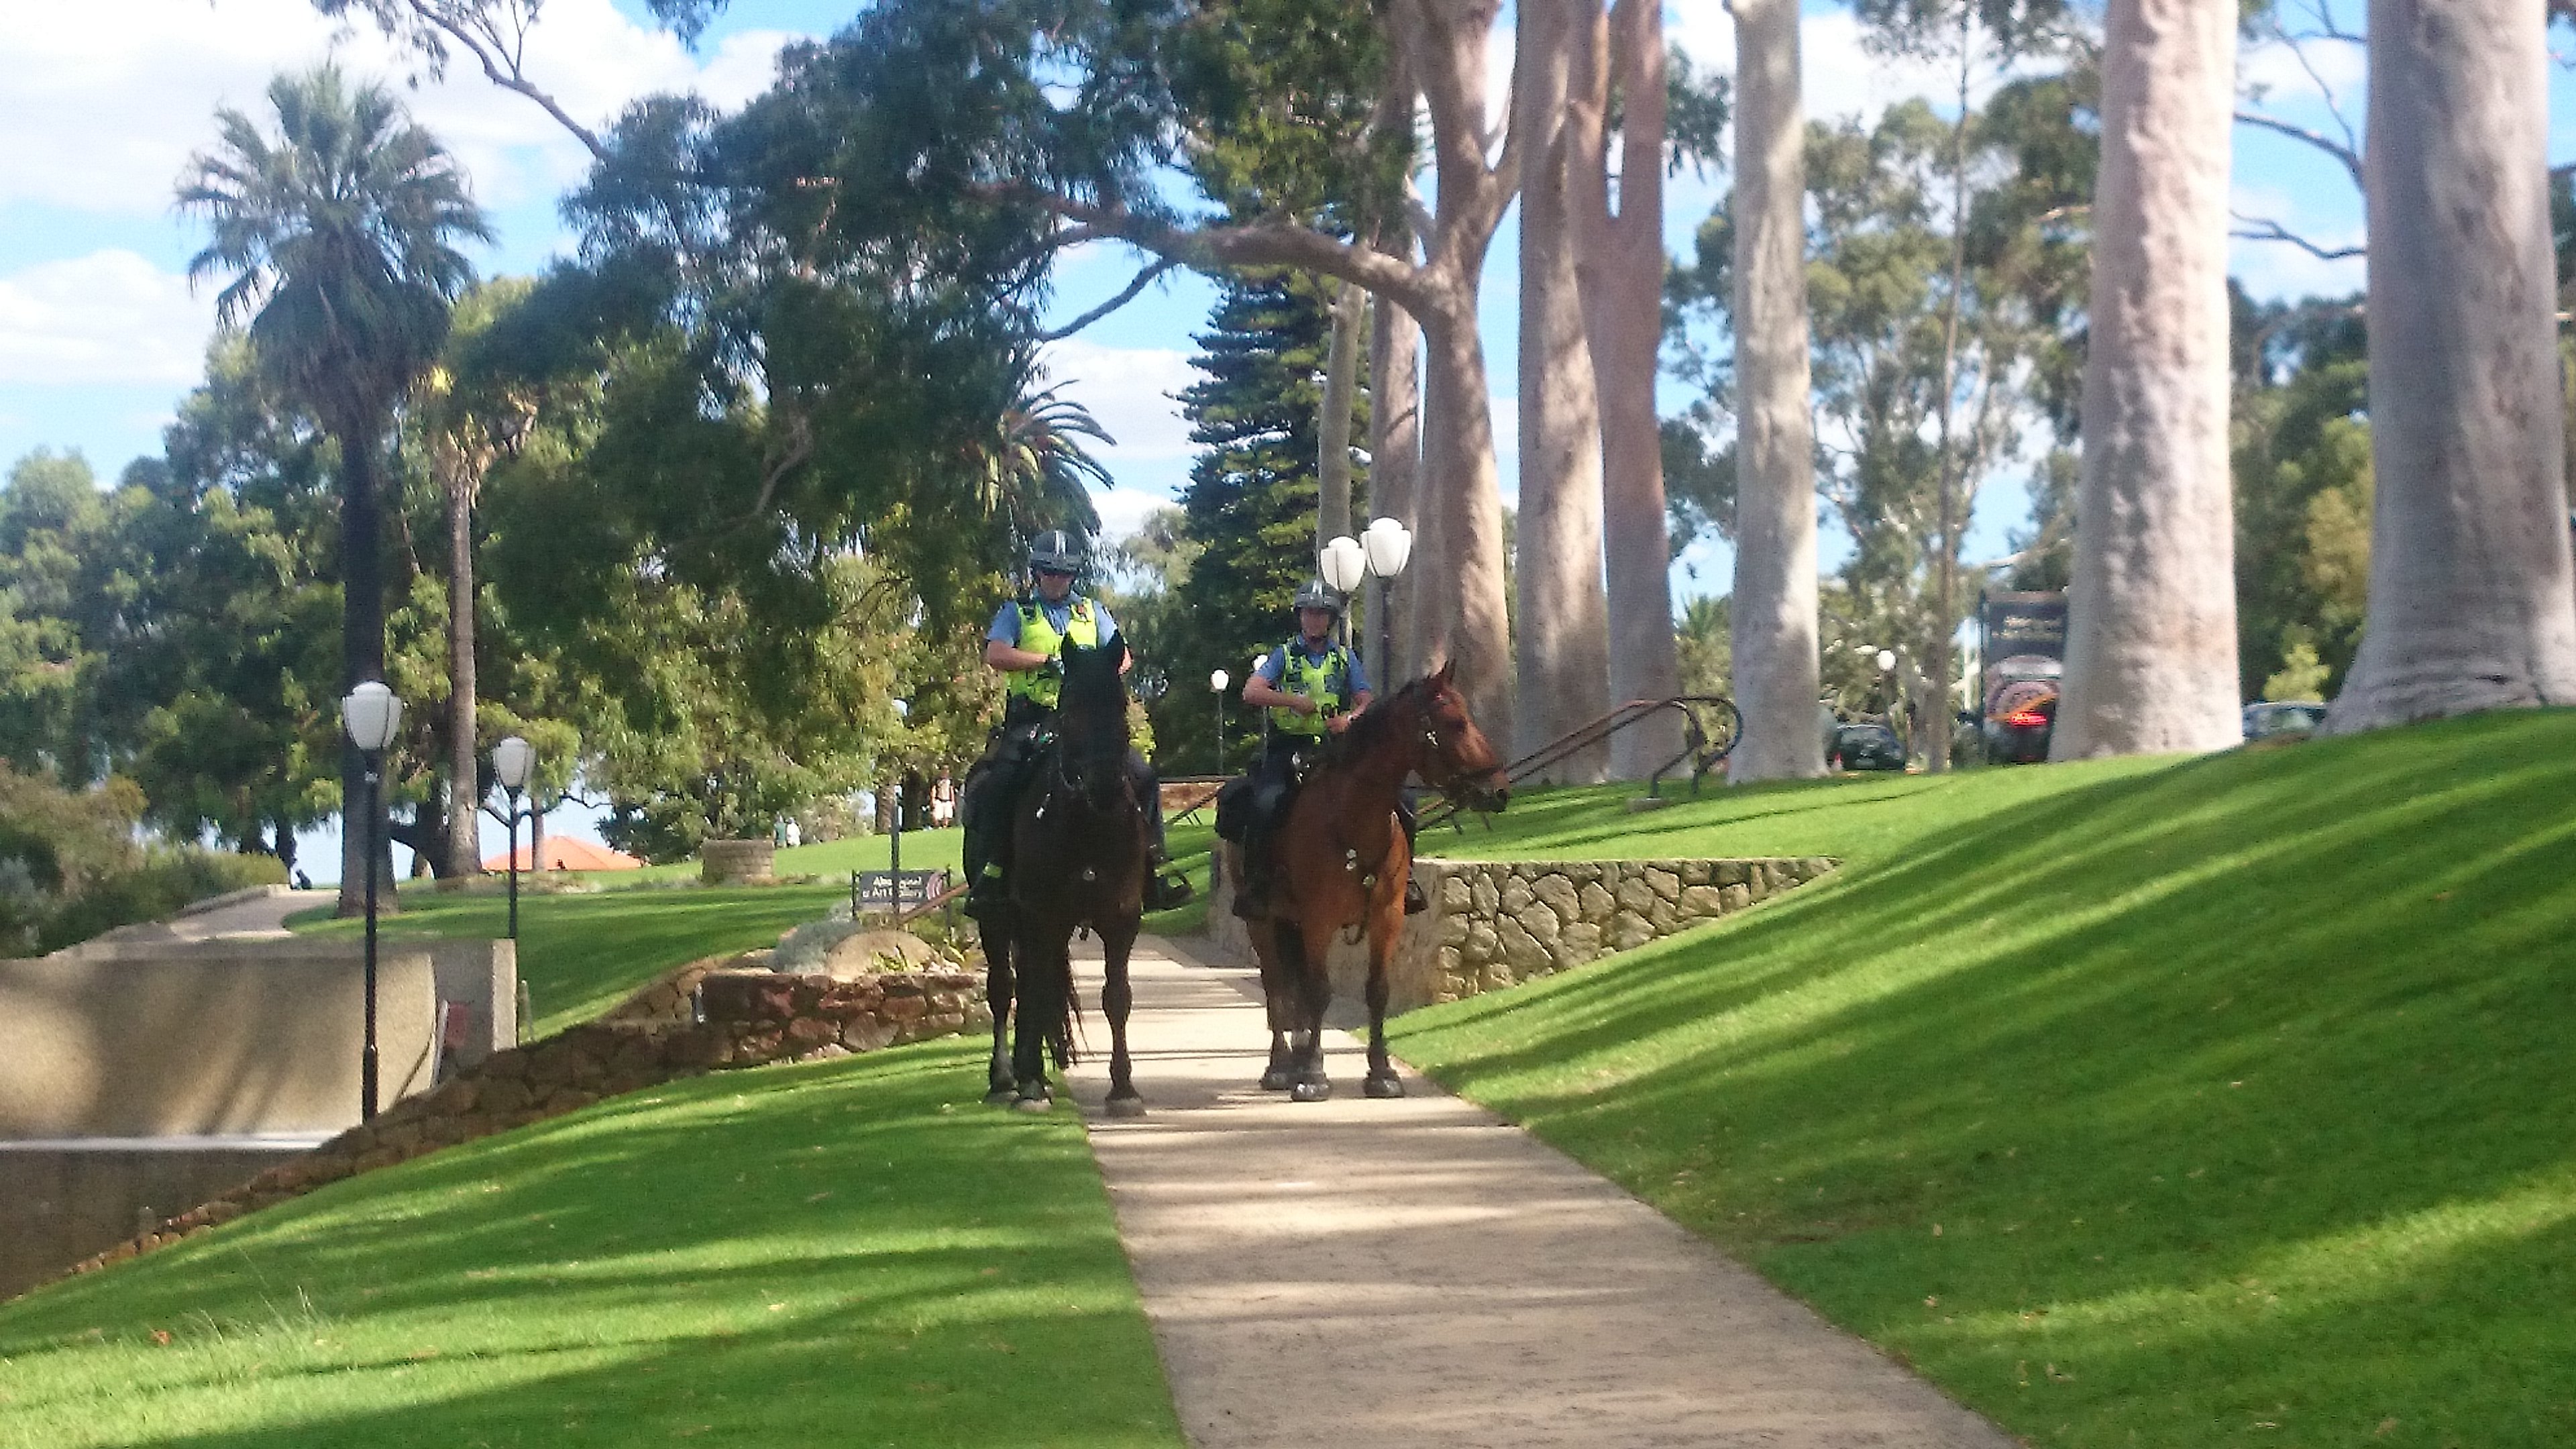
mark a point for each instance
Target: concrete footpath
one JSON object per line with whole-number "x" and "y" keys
{"x": 1420, "y": 1273}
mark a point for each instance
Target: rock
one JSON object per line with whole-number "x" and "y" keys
{"x": 1516, "y": 896}
{"x": 1629, "y": 930}
{"x": 1581, "y": 941}
{"x": 1694, "y": 873}
{"x": 1755, "y": 886}
{"x": 828, "y": 1051}
{"x": 1726, "y": 873}
{"x": 1736, "y": 897}
{"x": 504, "y": 1064}
{"x": 808, "y": 1031}
{"x": 867, "y": 953}
{"x": 1633, "y": 894}
{"x": 1481, "y": 943}
{"x": 504, "y": 1096}
{"x": 1664, "y": 883}
{"x": 1453, "y": 929}
{"x": 1521, "y": 951}
{"x": 1483, "y": 895}
{"x": 1598, "y": 904}
{"x": 1701, "y": 901}
{"x": 1540, "y": 922}
{"x": 568, "y": 1099}
{"x": 1451, "y": 965}
{"x": 1454, "y": 895}
{"x": 1663, "y": 917}
{"x": 867, "y": 1034}
{"x": 905, "y": 1008}
{"x": 455, "y": 1097}
{"x": 1560, "y": 896}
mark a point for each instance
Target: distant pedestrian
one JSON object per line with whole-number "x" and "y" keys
{"x": 303, "y": 882}
{"x": 795, "y": 834}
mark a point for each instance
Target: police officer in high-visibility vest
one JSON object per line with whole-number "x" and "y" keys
{"x": 1313, "y": 687}
{"x": 1026, "y": 642}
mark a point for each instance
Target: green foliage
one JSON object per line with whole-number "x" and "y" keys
{"x": 2153, "y": 1101}
{"x": 1705, "y": 645}
{"x": 843, "y": 1252}
{"x": 1249, "y": 510}
{"x": 70, "y": 866}
{"x": 2303, "y": 490}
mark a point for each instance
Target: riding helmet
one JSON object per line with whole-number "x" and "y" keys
{"x": 1055, "y": 550}
{"x": 1314, "y": 595}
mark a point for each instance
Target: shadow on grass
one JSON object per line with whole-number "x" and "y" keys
{"x": 2140, "y": 1039}
{"x": 854, "y": 1252}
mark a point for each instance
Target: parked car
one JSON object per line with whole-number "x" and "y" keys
{"x": 2272, "y": 718}
{"x": 1868, "y": 745}
{"x": 2021, "y": 709}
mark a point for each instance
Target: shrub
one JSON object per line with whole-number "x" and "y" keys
{"x": 70, "y": 866}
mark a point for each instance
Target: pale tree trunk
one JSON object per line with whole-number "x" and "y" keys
{"x": 1341, "y": 379}
{"x": 1621, "y": 262}
{"x": 1395, "y": 460}
{"x": 1774, "y": 614}
{"x": 362, "y": 656}
{"x": 1564, "y": 628}
{"x": 461, "y": 474}
{"x": 2470, "y": 598}
{"x": 2151, "y": 616}
{"x": 1945, "y": 570}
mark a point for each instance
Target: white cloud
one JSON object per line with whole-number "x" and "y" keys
{"x": 1123, "y": 511}
{"x": 1132, "y": 391}
{"x": 2274, "y": 269}
{"x": 109, "y": 317}
{"x": 2274, "y": 71}
{"x": 107, "y": 99}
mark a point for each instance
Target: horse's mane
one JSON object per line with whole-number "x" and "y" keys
{"x": 1364, "y": 734}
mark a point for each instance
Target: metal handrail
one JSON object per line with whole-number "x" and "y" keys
{"x": 1704, "y": 752}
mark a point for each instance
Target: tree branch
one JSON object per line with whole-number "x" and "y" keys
{"x": 1144, "y": 279}
{"x": 487, "y": 50}
{"x": 2265, "y": 229}
{"x": 2351, "y": 159}
{"x": 1276, "y": 244}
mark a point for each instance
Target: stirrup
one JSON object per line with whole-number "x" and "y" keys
{"x": 1415, "y": 902}
{"x": 1164, "y": 891}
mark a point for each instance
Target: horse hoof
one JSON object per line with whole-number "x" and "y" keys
{"x": 1315, "y": 1091}
{"x": 1126, "y": 1106}
{"x": 1034, "y": 1104}
{"x": 1382, "y": 1088}
{"x": 1274, "y": 1080}
{"x": 1001, "y": 1096}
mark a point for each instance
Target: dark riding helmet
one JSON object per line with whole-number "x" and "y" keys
{"x": 1313, "y": 594}
{"x": 1055, "y": 552}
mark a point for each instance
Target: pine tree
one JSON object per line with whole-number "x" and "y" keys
{"x": 1251, "y": 500}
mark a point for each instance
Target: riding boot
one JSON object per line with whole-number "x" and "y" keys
{"x": 1165, "y": 887}
{"x": 1252, "y": 902}
{"x": 1415, "y": 902}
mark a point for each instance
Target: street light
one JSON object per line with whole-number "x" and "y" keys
{"x": 1389, "y": 545}
{"x": 512, "y": 759}
{"x": 372, "y": 715}
{"x": 1217, "y": 681}
{"x": 1343, "y": 563}
{"x": 902, "y": 711}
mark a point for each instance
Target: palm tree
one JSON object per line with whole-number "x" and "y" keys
{"x": 336, "y": 237}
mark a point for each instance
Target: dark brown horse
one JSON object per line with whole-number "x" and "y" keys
{"x": 1342, "y": 859}
{"x": 1079, "y": 835}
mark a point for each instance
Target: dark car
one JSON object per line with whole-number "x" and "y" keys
{"x": 2273, "y": 718}
{"x": 1868, "y": 746}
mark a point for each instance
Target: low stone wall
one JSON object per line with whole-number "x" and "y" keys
{"x": 752, "y": 1017}
{"x": 737, "y": 862}
{"x": 1494, "y": 924}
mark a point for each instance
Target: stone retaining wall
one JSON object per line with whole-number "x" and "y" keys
{"x": 1494, "y": 924}
{"x": 752, "y": 1017}
{"x": 737, "y": 862}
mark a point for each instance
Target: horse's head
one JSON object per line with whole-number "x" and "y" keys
{"x": 1091, "y": 722}
{"x": 1457, "y": 758}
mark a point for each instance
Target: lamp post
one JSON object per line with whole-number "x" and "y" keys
{"x": 1388, "y": 545}
{"x": 512, "y": 759}
{"x": 894, "y": 865}
{"x": 372, "y": 715}
{"x": 1217, "y": 681}
{"x": 1343, "y": 563}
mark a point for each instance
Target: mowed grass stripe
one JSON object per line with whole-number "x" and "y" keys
{"x": 2166, "y": 1102}
{"x": 851, "y": 1253}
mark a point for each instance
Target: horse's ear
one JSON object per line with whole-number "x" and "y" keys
{"x": 1441, "y": 676}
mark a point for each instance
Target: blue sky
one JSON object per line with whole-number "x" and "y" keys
{"x": 100, "y": 336}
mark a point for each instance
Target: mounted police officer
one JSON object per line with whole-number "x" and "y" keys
{"x": 1313, "y": 687}
{"x": 1026, "y": 642}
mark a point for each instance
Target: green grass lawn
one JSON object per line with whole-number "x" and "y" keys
{"x": 922, "y": 850}
{"x": 582, "y": 954}
{"x": 844, "y": 1253}
{"x": 2167, "y": 1102}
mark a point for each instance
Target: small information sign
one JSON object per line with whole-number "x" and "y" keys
{"x": 895, "y": 890}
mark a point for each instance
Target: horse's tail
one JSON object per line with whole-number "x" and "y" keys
{"x": 1064, "y": 1034}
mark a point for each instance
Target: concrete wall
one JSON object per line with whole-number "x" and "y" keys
{"x": 60, "y": 1202}
{"x": 219, "y": 1037}
{"x": 1494, "y": 924}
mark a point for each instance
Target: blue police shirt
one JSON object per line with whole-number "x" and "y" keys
{"x": 1275, "y": 664}
{"x": 1059, "y": 617}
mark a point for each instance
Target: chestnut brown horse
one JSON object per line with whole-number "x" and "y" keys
{"x": 1341, "y": 860}
{"x": 1078, "y": 860}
